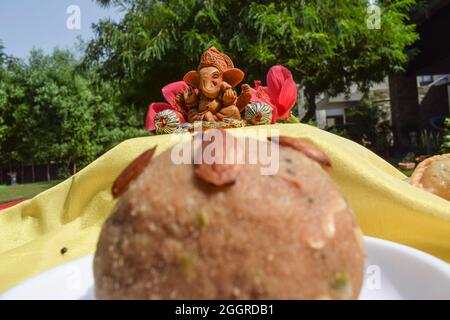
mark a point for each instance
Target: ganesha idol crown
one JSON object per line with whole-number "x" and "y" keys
{"x": 213, "y": 58}
{"x": 207, "y": 97}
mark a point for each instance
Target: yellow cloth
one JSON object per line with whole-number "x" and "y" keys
{"x": 70, "y": 214}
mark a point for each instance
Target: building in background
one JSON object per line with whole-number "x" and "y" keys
{"x": 417, "y": 99}
{"x": 433, "y": 98}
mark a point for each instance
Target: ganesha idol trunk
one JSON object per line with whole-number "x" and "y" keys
{"x": 218, "y": 230}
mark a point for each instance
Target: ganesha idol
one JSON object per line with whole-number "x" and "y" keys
{"x": 207, "y": 97}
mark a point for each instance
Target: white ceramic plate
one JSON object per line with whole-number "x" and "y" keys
{"x": 393, "y": 271}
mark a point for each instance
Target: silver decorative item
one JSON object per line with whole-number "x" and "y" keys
{"x": 166, "y": 121}
{"x": 258, "y": 113}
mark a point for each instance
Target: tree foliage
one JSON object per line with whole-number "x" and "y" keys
{"x": 445, "y": 146}
{"x": 51, "y": 111}
{"x": 2, "y": 54}
{"x": 326, "y": 43}
{"x": 57, "y": 109}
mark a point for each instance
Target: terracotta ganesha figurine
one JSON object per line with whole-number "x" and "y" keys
{"x": 207, "y": 98}
{"x": 211, "y": 95}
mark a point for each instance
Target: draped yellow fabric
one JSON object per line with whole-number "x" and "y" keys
{"x": 70, "y": 214}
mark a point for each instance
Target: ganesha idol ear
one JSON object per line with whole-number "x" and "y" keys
{"x": 192, "y": 78}
{"x": 233, "y": 76}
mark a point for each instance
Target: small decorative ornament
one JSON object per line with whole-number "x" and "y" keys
{"x": 258, "y": 113}
{"x": 233, "y": 123}
{"x": 166, "y": 121}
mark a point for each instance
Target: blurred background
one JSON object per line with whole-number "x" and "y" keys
{"x": 76, "y": 77}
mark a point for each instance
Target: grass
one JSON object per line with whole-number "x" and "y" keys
{"x": 407, "y": 172}
{"x": 23, "y": 191}
{"x": 395, "y": 161}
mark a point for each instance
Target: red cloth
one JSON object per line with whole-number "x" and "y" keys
{"x": 10, "y": 204}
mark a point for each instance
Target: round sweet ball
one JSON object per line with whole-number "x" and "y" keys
{"x": 433, "y": 175}
{"x": 228, "y": 231}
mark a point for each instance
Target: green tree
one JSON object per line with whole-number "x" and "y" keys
{"x": 445, "y": 146}
{"x": 2, "y": 54}
{"x": 11, "y": 93}
{"x": 53, "y": 111}
{"x": 3, "y": 127}
{"x": 326, "y": 43}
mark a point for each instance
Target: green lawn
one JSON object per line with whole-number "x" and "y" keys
{"x": 395, "y": 161}
{"x": 22, "y": 191}
{"x": 406, "y": 172}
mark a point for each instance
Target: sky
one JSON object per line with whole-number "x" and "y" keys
{"x": 25, "y": 24}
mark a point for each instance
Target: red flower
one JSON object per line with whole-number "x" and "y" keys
{"x": 280, "y": 92}
{"x": 169, "y": 92}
